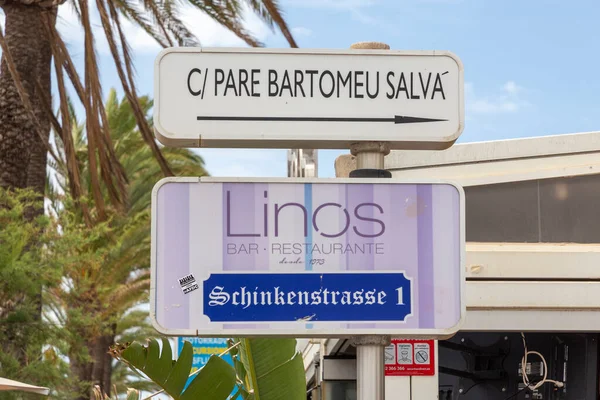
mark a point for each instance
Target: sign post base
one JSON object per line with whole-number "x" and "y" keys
{"x": 370, "y": 366}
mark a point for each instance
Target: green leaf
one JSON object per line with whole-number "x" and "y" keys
{"x": 135, "y": 354}
{"x": 166, "y": 356}
{"x": 181, "y": 370}
{"x": 155, "y": 366}
{"x": 275, "y": 369}
{"x": 162, "y": 370}
{"x": 215, "y": 381}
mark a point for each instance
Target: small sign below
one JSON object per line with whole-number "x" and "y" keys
{"x": 405, "y": 357}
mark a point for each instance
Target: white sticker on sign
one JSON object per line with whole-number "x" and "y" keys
{"x": 422, "y": 354}
{"x": 188, "y": 284}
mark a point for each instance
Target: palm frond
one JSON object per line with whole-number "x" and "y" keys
{"x": 263, "y": 13}
{"x": 174, "y": 24}
{"x": 159, "y": 17}
{"x": 92, "y": 127}
{"x": 69, "y": 66}
{"x": 127, "y": 294}
{"x": 129, "y": 86}
{"x": 227, "y": 16}
{"x": 131, "y": 320}
{"x": 76, "y": 9}
{"x": 98, "y": 139}
{"x": 133, "y": 14}
{"x": 64, "y": 131}
{"x": 275, "y": 14}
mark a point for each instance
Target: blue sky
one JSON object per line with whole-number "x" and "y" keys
{"x": 531, "y": 67}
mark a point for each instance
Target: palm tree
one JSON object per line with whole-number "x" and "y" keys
{"x": 31, "y": 42}
{"x": 31, "y": 46}
{"x": 106, "y": 264}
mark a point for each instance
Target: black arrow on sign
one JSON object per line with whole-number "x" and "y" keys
{"x": 397, "y": 119}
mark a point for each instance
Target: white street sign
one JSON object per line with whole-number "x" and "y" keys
{"x": 307, "y": 257}
{"x": 296, "y": 98}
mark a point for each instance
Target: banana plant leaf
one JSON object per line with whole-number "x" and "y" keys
{"x": 273, "y": 369}
{"x": 215, "y": 381}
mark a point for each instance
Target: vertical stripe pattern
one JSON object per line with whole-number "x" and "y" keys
{"x": 214, "y": 227}
{"x": 173, "y": 225}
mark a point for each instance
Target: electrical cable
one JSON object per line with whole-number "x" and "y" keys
{"x": 545, "y": 379}
{"x": 312, "y": 388}
{"x": 512, "y": 396}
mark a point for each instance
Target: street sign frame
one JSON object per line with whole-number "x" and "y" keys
{"x": 333, "y": 122}
{"x": 302, "y": 331}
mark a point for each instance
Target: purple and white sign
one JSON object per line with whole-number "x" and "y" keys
{"x": 307, "y": 258}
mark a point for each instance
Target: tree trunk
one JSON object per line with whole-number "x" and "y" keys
{"x": 108, "y": 363}
{"x": 38, "y": 158}
{"x": 22, "y": 152}
{"x": 102, "y": 369}
{"x": 27, "y": 42}
{"x": 81, "y": 371}
{"x": 95, "y": 369}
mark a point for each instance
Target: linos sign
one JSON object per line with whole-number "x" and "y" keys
{"x": 307, "y": 98}
{"x": 307, "y": 258}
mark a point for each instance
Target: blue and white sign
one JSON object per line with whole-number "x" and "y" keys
{"x": 307, "y": 296}
{"x": 203, "y": 349}
{"x": 307, "y": 258}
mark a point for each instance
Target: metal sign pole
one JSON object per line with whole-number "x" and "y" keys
{"x": 370, "y": 366}
{"x": 370, "y": 369}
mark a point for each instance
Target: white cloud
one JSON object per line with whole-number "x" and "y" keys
{"x": 210, "y": 33}
{"x": 511, "y": 87}
{"x": 138, "y": 39}
{"x": 301, "y": 31}
{"x": 507, "y": 100}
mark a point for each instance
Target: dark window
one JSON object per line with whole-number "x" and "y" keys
{"x": 548, "y": 210}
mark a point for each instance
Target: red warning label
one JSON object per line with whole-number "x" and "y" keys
{"x": 410, "y": 358}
